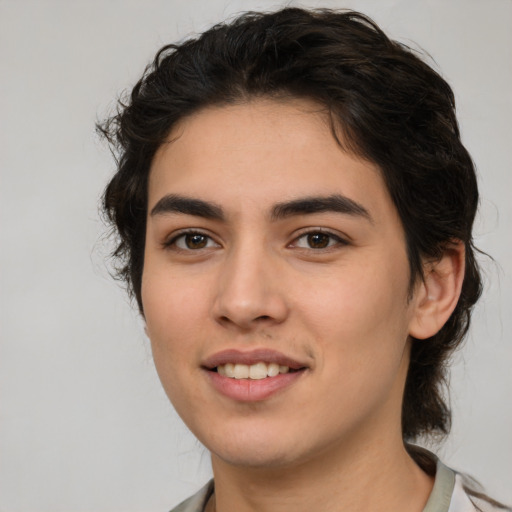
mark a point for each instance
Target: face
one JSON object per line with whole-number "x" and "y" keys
{"x": 275, "y": 286}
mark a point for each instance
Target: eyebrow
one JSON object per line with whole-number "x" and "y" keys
{"x": 337, "y": 203}
{"x": 307, "y": 205}
{"x": 173, "y": 203}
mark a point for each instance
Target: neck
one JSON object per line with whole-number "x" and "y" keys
{"x": 378, "y": 477}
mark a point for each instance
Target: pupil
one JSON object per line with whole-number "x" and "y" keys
{"x": 195, "y": 241}
{"x": 318, "y": 240}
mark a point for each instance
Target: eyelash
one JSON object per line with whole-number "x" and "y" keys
{"x": 334, "y": 240}
{"x": 172, "y": 243}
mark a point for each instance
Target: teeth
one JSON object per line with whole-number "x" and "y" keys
{"x": 273, "y": 369}
{"x": 229, "y": 369}
{"x": 241, "y": 371}
{"x": 256, "y": 371}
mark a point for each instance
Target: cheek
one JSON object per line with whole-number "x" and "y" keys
{"x": 361, "y": 335}
{"x": 170, "y": 301}
{"x": 361, "y": 318}
{"x": 172, "y": 310}
{"x": 172, "y": 313}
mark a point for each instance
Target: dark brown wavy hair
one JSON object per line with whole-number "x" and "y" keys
{"x": 384, "y": 104}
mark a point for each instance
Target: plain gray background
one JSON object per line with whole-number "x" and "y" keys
{"x": 85, "y": 425}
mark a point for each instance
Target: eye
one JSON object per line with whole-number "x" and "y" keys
{"x": 318, "y": 240}
{"x": 192, "y": 241}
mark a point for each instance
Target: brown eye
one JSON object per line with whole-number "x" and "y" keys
{"x": 192, "y": 241}
{"x": 317, "y": 240}
{"x": 195, "y": 241}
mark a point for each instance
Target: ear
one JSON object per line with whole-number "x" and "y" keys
{"x": 436, "y": 296}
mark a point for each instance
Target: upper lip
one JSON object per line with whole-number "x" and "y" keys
{"x": 251, "y": 357}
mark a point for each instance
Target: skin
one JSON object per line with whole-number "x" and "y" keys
{"x": 332, "y": 439}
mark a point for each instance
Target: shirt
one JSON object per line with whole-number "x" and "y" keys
{"x": 448, "y": 495}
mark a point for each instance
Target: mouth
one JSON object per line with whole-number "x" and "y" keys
{"x": 258, "y": 371}
{"x": 252, "y": 376}
{"x": 254, "y": 364}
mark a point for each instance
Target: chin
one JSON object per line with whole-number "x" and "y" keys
{"x": 254, "y": 457}
{"x": 254, "y": 450}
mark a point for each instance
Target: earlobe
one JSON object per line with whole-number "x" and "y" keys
{"x": 437, "y": 294}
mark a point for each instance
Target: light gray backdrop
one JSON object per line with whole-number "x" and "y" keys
{"x": 84, "y": 423}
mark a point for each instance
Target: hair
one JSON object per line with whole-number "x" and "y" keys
{"x": 384, "y": 104}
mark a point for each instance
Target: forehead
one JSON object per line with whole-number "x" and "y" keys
{"x": 262, "y": 151}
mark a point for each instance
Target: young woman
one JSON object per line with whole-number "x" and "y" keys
{"x": 295, "y": 208}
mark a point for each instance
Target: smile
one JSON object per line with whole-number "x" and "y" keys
{"x": 252, "y": 376}
{"x": 258, "y": 371}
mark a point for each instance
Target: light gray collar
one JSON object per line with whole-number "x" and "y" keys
{"x": 441, "y": 495}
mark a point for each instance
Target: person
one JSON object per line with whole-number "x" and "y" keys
{"x": 294, "y": 210}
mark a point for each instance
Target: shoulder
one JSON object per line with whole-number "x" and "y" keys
{"x": 452, "y": 491}
{"x": 196, "y": 502}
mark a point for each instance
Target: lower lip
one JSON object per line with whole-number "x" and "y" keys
{"x": 253, "y": 390}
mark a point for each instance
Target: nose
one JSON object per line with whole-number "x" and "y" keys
{"x": 250, "y": 291}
